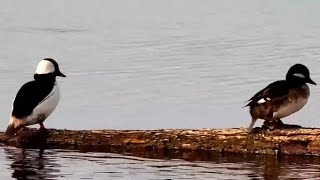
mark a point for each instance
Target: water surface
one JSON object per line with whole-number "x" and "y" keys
{"x": 158, "y": 64}
{"x": 61, "y": 164}
{"x": 149, "y": 64}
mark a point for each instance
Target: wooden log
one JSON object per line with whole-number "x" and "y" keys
{"x": 166, "y": 142}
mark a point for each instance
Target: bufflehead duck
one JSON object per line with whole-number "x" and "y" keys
{"x": 36, "y": 99}
{"x": 281, "y": 98}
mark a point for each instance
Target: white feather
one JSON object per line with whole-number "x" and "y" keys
{"x": 261, "y": 101}
{"x": 299, "y": 75}
{"x": 45, "y": 107}
{"x": 45, "y": 67}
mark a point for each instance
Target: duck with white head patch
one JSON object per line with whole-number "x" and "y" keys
{"x": 36, "y": 99}
{"x": 281, "y": 98}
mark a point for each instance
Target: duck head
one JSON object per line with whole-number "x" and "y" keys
{"x": 299, "y": 73}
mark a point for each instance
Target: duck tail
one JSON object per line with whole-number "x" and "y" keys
{"x": 249, "y": 102}
{"x": 14, "y": 126}
{"x": 253, "y": 121}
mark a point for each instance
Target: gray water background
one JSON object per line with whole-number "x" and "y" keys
{"x": 150, "y": 64}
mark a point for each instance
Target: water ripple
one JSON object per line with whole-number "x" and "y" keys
{"x": 57, "y": 164}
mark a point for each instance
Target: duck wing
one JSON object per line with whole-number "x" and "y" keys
{"x": 28, "y": 97}
{"x": 275, "y": 89}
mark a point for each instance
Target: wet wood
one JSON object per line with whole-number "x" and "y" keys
{"x": 299, "y": 141}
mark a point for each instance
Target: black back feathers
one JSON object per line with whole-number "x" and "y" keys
{"x": 29, "y": 96}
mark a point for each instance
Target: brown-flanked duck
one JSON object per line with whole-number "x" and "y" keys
{"x": 281, "y": 98}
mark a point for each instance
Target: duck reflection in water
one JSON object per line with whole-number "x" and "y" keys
{"x": 32, "y": 164}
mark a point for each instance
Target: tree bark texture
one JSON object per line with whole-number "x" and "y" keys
{"x": 303, "y": 141}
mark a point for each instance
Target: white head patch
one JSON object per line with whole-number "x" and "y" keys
{"x": 45, "y": 67}
{"x": 299, "y": 75}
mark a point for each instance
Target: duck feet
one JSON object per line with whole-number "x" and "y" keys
{"x": 41, "y": 126}
{"x": 273, "y": 125}
{"x": 257, "y": 130}
{"x": 278, "y": 124}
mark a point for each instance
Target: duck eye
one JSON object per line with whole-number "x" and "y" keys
{"x": 299, "y": 75}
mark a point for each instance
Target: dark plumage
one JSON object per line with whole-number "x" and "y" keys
{"x": 29, "y": 96}
{"x": 281, "y": 98}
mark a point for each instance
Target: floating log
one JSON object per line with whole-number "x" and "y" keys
{"x": 303, "y": 141}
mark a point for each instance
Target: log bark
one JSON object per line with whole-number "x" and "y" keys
{"x": 172, "y": 142}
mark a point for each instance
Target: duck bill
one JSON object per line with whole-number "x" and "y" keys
{"x": 60, "y": 74}
{"x": 311, "y": 82}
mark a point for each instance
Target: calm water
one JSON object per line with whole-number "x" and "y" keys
{"x": 58, "y": 164}
{"x": 148, "y": 64}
